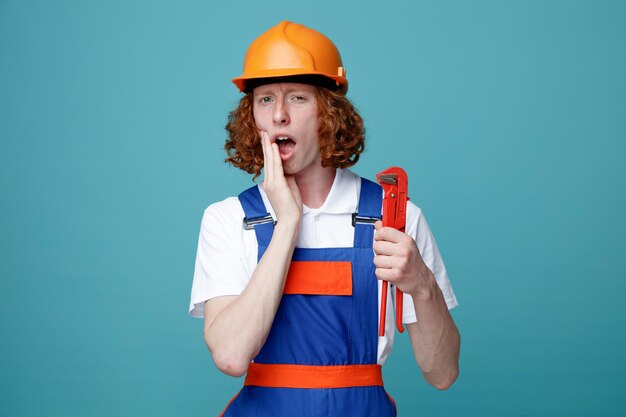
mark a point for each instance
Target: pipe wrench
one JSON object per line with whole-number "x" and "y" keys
{"x": 395, "y": 184}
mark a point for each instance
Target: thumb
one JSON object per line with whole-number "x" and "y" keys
{"x": 377, "y": 226}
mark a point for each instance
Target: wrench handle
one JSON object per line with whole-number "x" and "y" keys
{"x": 399, "y": 303}
{"x": 383, "y": 308}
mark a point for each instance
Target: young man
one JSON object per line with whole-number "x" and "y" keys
{"x": 288, "y": 282}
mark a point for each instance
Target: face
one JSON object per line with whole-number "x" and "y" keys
{"x": 288, "y": 113}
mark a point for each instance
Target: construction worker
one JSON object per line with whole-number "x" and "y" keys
{"x": 288, "y": 274}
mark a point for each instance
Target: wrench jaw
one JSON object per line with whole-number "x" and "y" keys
{"x": 389, "y": 182}
{"x": 388, "y": 179}
{"x": 394, "y": 181}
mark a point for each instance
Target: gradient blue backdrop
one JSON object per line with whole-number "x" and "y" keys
{"x": 509, "y": 117}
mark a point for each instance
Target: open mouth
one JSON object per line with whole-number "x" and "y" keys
{"x": 285, "y": 146}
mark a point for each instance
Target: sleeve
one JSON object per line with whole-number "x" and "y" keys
{"x": 418, "y": 229}
{"x": 220, "y": 267}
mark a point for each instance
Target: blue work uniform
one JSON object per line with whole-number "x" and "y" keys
{"x": 321, "y": 335}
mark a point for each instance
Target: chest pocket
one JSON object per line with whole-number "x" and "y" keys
{"x": 319, "y": 278}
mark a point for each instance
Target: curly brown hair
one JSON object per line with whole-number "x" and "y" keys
{"x": 341, "y": 133}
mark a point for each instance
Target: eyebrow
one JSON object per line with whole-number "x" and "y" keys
{"x": 286, "y": 90}
{"x": 297, "y": 90}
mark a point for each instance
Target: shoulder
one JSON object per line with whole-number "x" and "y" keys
{"x": 223, "y": 214}
{"x": 346, "y": 180}
{"x": 413, "y": 213}
{"x": 225, "y": 208}
{"x": 222, "y": 231}
{"x": 416, "y": 224}
{"x": 346, "y": 174}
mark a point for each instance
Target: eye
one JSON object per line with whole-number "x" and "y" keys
{"x": 265, "y": 100}
{"x": 298, "y": 99}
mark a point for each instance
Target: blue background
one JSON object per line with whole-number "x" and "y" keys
{"x": 509, "y": 117}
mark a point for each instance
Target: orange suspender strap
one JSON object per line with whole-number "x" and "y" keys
{"x": 309, "y": 376}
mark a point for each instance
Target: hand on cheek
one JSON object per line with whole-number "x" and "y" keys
{"x": 281, "y": 190}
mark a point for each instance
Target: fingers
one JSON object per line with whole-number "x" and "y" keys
{"x": 277, "y": 162}
{"x": 388, "y": 234}
{"x": 268, "y": 169}
{"x": 390, "y": 268}
{"x": 272, "y": 164}
{"x": 384, "y": 261}
{"x": 394, "y": 259}
{"x": 282, "y": 191}
{"x": 382, "y": 247}
{"x": 387, "y": 274}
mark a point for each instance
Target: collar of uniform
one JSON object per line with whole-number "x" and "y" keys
{"x": 343, "y": 195}
{"x": 342, "y": 198}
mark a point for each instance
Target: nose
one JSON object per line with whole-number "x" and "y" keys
{"x": 281, "y": 115}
